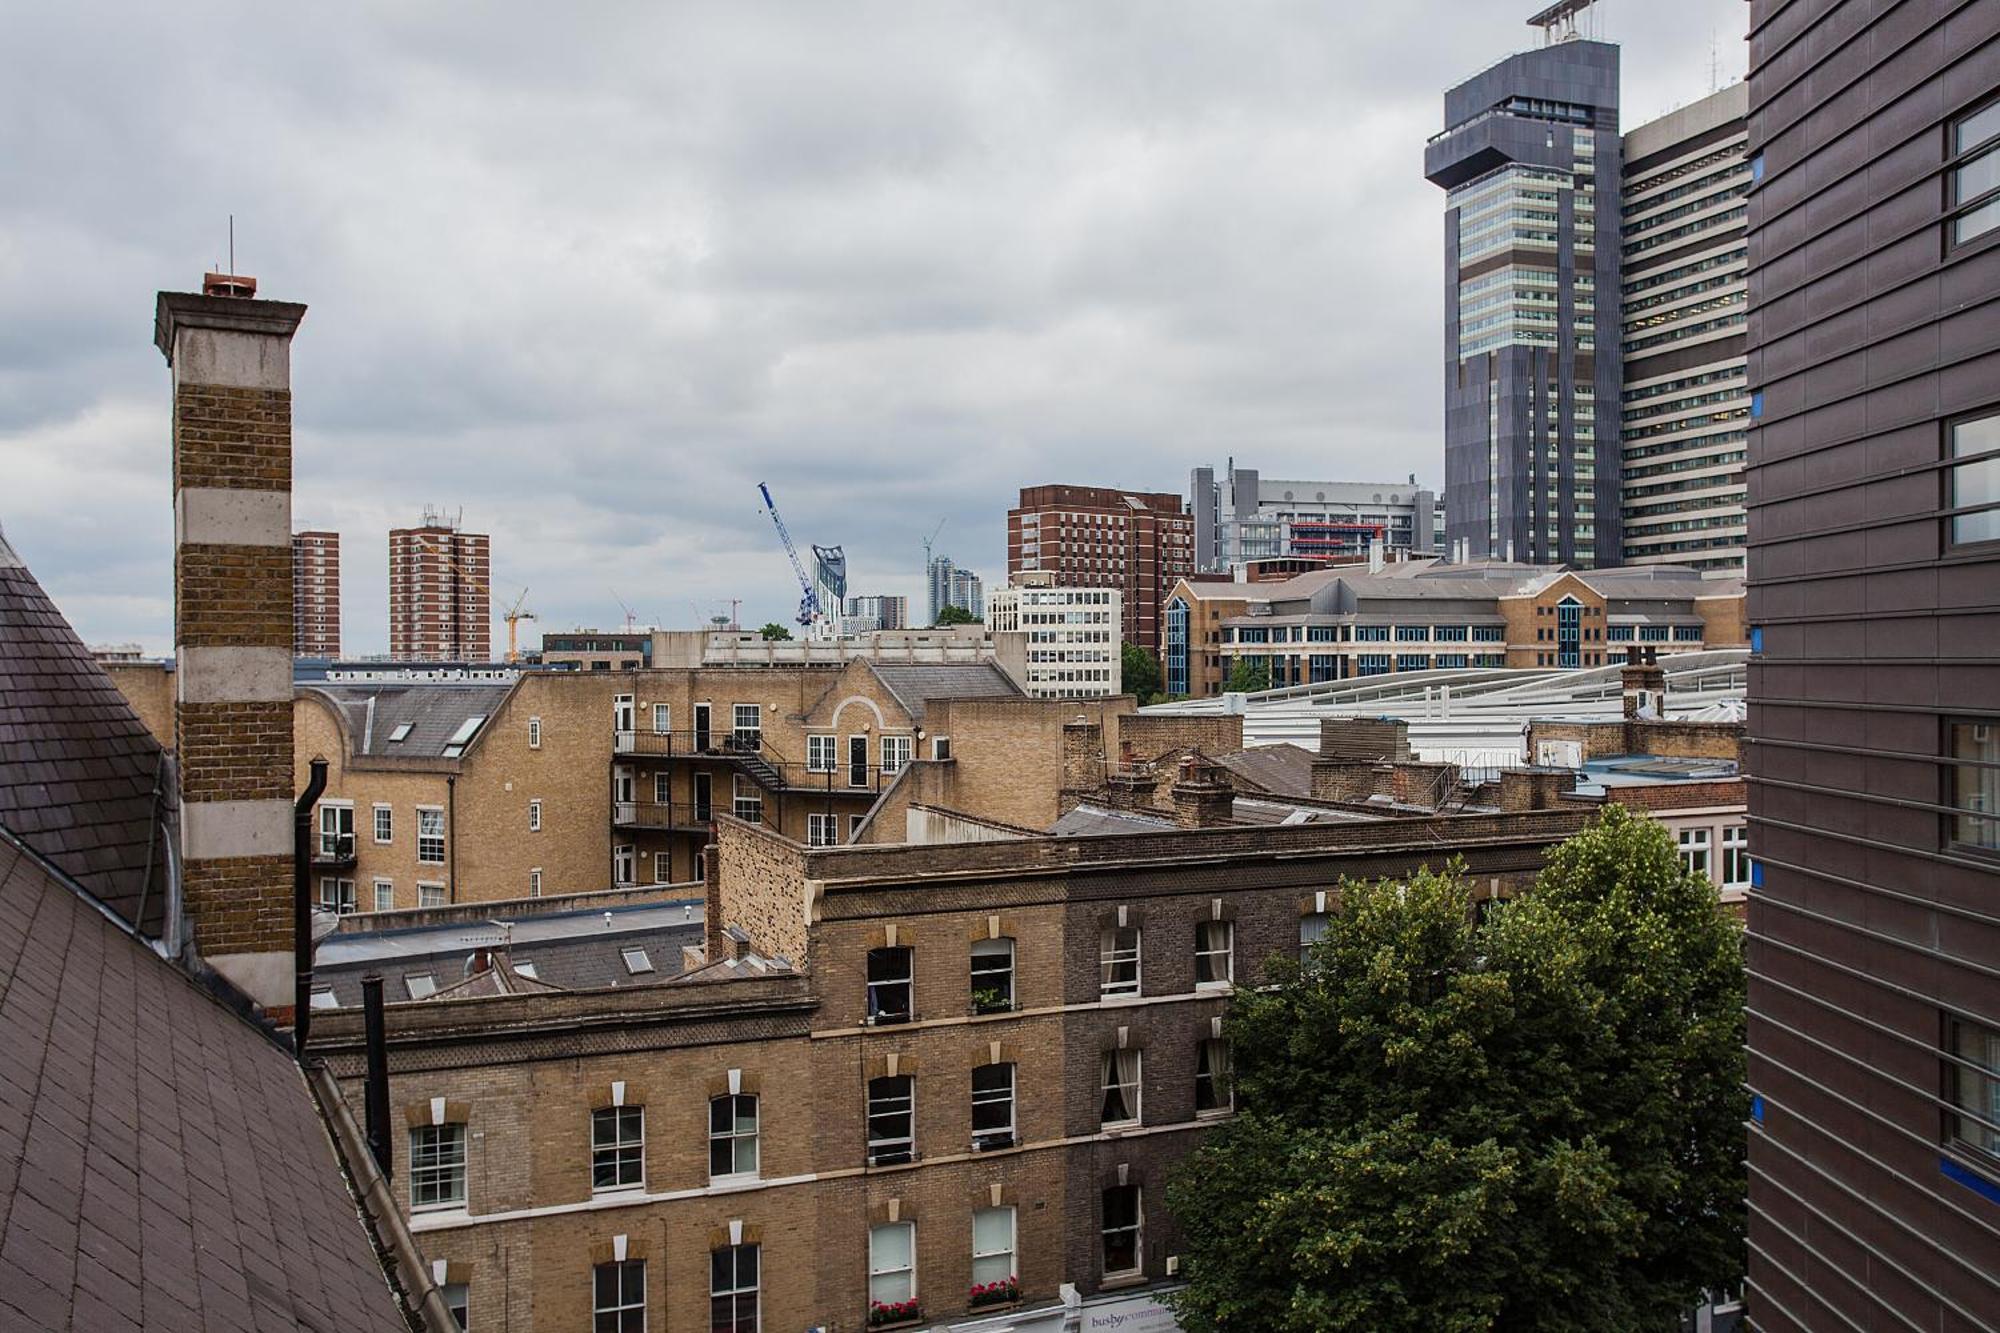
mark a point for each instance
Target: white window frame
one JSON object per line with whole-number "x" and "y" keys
{"x": 1001, "y": 947}
{"x": 535, "y": 816}
{"x": 534, "y": 733}
{"x": 437, "y": 1167}
{"x": 663, "y": 867}
{"x": 619, "y": 1309}
{"x": 330, "y": 831}
{"x": 877, "y": 1271}
{"x": 1694, "y": 845}
{"x": 458, "y": 1302}
{"x": 425, "y": 813}
{"x": 1110, "y": 956}
{"x": 991, "y": 1253}
{"x": 430, "y": 894}
{"x": 1000, "y": 1135}
{"x": 1134, "y": 1091}
{"x": 896, "y": 754}
{"x": 854, "y": 823}
{"x": 746, "y": 805}
{"x": 1138, "y": 1230}
{"x": 735, "y": 1137}
{"x": 535, "y": 882}
{"x": 624, "y": 869}
{"x": 618, "y": 1152}
{"x": 898, "y": 1147}
{"x": 1736, "y": 856}
{"x": 663, "y": 719}
{"x": 733, "y": 1294}
{"x": 907, "y": 981}
{"x": 822, "y": 830}
{"x": 1222, "y": 1089}
{"x": 384, "y": 823}
{"x": 337, "y": 894}
{"x": 1206, "y": 948}
{"x": 384, "y": 891}
{"x": 746, "y": 720}
{"x": 1312, "y": 929}
{"x": 822, "y": 753}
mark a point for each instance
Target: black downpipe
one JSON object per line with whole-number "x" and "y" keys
{"x": 376, "y": 1094}
{"x": 302, "y": 940}
{"x": 451, "y": 832}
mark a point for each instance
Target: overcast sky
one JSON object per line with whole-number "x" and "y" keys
{"x": 591, "y": 272}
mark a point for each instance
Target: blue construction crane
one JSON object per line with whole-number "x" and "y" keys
{"x": 809, "y": 608}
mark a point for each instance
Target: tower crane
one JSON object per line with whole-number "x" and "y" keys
{"x": 809, "y": 607}
{"x": 928, "y": 540}
{"x": 514, "y": 615}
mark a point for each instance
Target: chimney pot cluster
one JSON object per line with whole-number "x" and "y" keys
{"x": 228, "y": 284}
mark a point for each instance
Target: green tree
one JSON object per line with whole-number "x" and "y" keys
{"x": 773, "y": 630}
{"x": 1140, "y": 671}
{"x": 1248, "y": 677}
{"x": 955, "y": 615}
{"x": 1532, "y": 1122}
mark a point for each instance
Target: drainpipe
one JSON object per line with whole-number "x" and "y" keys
{"x": 451, "y": 833}
{"x": 302, "y": 940}
{"x": 375, "y": 1092}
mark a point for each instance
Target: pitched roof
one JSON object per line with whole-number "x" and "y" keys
{"x": 914, "y": 682}
{"x": 1276, "y": 770}
{"x": 162, "y": 1162}
{"x": 81, "y": 779}
{"x": 439, "y": 715}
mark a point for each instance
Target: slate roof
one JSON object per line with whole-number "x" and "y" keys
{"x": 1277, "y": 770}
{"x": 914, "y": 682}
{"x": 162, "y": 1162}
{"x": 81, "y": 779}
{"x": 434, "y": 711}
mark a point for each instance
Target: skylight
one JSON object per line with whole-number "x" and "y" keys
{"x": 402, "y": 732}
{"x": 323, "y": 998}
{"x": 455, "y": 747}
{"x": 421, "y": 985}
{"x": 636, "y": 960}
{"x": 527, "y": 970}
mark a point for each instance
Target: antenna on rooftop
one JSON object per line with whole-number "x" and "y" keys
{"x": 1558, "y": 21}
{"x": 232, "y": 242}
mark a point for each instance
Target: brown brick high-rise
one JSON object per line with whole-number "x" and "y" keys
{"x": 232, "y": 436}
{"x": 316, "y": 594}
{"x": 1138, "y": 542}
{"x": 440, "y": 593}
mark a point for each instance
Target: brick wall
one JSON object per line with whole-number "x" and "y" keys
{"x": 149, "y": 688}
{"x": 763, "y": 888}
{"x": 1363, "y": 738}
{"x": 1151, "y": 735}
{"x": 1668, "y": 739}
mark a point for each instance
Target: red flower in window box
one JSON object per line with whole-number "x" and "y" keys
{"x": 1004, "y": 1292}
{"x": 892, "y": 1312}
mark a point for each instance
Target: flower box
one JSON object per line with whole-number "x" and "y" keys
{"x": 889, "y": 1314}
{"x": 1006, "y": 1292}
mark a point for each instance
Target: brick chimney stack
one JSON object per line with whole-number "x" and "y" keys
{"x": 1643, "y": 682}
{"x": 230, "y": 358}
{"x": 1204, "y": 797}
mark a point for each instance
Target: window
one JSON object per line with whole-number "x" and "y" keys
{"x": 1736, "y": 855}
{"x": 420, "y": 985}
{"x": 822, "y": 830}
{"x": 1972, "y": 1087}
{"x": 663, "y": 867}
{"x": 534, "y": 884}
{"x": 618, "y": 1297}
{"x": 732, "y": 1289}
{"x": 457, "y": 1299}
{"x": 1975, "y": 179}
{"x": 1122, "y": 1220}
{"x": 895, "y": 754}
{"x": 1972, "y": 482}
{"x": 336, "y": 831}
{"x": 323, "y": 998}
{"x": 402, "y": 732}
{"x": 993, "y": 1106}
{"x": 822, "y": 754}
{"x": 534, "y": 733}
{"x": 891, "y": 1120}
{"x": 624, "y": 868}
{"x": 1694, "y": 851}
{"x": 385, "y": 824}
{"x": 747, "y": 800}
{"x": 636, "y": 959}
{"x": 992, "y": 975}
{"x": 748, "y": 730}
{"x": 437, "y": 1166}
{"x": 337, "y": 895}
{"x": 663, "y": 719}
{"x": 1214, "y": 953}
{"x": 1120, "y": 1070}
{"x": 618, "y": 1148}
{"x": 430, "y": 835}
{"x": 1975, "y": 785}
{"x": 1312, "y": 929}
{"x": 732, "y": 1136}
{"x": 1118, "y": 961}
{"x": 889, "y": 985}
{"x": 1212, "y": 1095}
{"x": 992, "y": 1253}
{"x": 430, "y": 895}
{"x": 534, "y": 816}
{"x": 892, "y": 1267}
{"x": 385, "y": 895}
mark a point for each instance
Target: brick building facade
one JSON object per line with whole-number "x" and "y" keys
{"x": 1096, "y": 537}
{"x": 316, "y": 594}
{"x": 440, "y": 593}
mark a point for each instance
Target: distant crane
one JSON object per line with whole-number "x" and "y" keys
{"x": 928, "y": 540}
{"x": 514, "y": 615}
{"x": 630, "y": 618}
{"x": 809, "y": 607}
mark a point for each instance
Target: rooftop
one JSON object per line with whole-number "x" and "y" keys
{"x": 413, "y": 720}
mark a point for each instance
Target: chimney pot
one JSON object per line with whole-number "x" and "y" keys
{"x": 229, "y": 284}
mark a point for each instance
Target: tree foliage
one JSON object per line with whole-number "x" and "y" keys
{"x": 1139, "y": 672}
{"x": 1248, "y": 677}
{"x": 773, "y": 630}
{"x": 955, "y": 615}
{"x": 1530, "y": 1123}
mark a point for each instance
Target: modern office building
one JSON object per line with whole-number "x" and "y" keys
{"x": 316, "y": 594}
{"x": 440, "y": 592}
{"x": 1057, "y": 642}
{"x": 1529, "y": 160}
{"x": 1240, "y": 516}
{"x": 1874, "y": 688}
{"x": 864, "y": 614}
{"x": 1686, "y": 404}
{"x": 1138, "y": 542}
{"x": 950, "y": 585}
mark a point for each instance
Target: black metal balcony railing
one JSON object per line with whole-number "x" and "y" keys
{"x": 670, "y": 816}
{"x": 334, "y": 849}
{"x": 753, "y": 756}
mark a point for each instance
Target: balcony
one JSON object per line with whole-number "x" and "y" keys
{"x": 334, "y": 851}
{"x": 751, "y": 754}
{"x": 661, "y": 816}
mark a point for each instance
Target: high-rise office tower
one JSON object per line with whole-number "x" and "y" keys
{"x": 1530, "y": 163}
{"x": 1240, "y": 515}
{"x": 1874, "y": 689}
{"x": 316, "y": 594}
{"x": 1138, "y": 542}
{"x": 1686, "y": 405}
{"x": 949, "y": 585}
{"x": 440, "y": 593}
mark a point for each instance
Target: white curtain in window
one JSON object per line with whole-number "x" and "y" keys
{"x": 1121, "y": 1093}
{"x": 891, "y": 1262}
{"x": 992, "y": 1245}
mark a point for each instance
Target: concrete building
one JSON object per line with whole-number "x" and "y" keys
{"x": 1241, "y": 517}
{"x": 1429, "y": 615}
{"x": 1686, "y": 402}
{"x": 1530, "y": 160}
{"x": 1097, "y": 537}
{"x": 866, "y": 614}
{"x": 440, "y": 592}
{"x": 315, "y": 594}
{"x": 1058, "y": 642}
{"x": 1874, "y": 577}
{"x": 598, "y": 650}
{"x": 949, "y": 585}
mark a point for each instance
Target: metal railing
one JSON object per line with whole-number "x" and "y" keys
{"x": 334, "y": 849}
{"x": 753, "y": 755}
